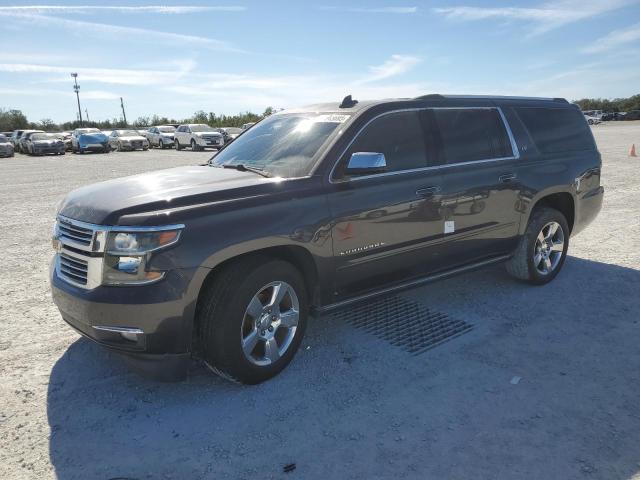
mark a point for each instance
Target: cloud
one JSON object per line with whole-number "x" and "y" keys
{"x": 544, "y": 18}
{"x": 396, "y": 10}
{"x": 114, "y": 76}
{"x": 162, "y": 9}
{"x": 396, "y": 65}
{"x": 105, "y": 29}
{"x": 615, "y": 39}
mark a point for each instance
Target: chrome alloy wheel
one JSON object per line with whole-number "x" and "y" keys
{"x": 549, "y": 248}
{"x": 270, "y": 323}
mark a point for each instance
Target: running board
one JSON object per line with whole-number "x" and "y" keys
{"x": 410, "y": 284}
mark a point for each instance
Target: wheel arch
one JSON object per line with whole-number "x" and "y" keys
{"x": 298, "y": 256}
{"x": 561, "y": 200}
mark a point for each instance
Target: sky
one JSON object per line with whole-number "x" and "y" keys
{"x": 172, "y": 59}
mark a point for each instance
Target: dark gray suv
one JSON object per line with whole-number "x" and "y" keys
{"x": 316, "y": 209}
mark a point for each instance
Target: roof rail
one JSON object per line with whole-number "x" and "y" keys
{"x": 429, "y": 97}
{"x": 558, "y": 99}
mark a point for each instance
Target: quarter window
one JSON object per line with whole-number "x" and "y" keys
{"x": 399, "y": 136}
{"x": 557, "y": 129}
{"x": 470, "y": 134}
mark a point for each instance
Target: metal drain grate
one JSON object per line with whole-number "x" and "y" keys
{"x": 404, "y": 323}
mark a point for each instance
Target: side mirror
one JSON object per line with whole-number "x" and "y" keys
{"x": 363, "y": 163}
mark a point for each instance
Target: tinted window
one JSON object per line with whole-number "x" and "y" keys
{"x": 557, "y": 129}
{"x": 398, "y": 136}
{"x": 471, "y": 134}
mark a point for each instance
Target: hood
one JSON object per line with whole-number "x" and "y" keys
{"x": 132, "y": 138}
{"x": 93, "y": 137}
{"x": 208, "y": 134}
{"x": 46, "y": 142}
{"x": 106, "y": 202}
{"x": 167, "y": 134}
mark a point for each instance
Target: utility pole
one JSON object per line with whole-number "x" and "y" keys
{"x": 124, "y": 115}
{"x": 76, "y": 88}
{"x": 86, "y": 112}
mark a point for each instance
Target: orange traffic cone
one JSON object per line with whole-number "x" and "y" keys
{"x": 632, "y": 152}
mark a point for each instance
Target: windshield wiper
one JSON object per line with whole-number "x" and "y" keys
{"x": 247, "y": 168}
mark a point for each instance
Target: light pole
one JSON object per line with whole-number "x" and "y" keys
{"x": 124, "y": 115}
{"x": 76, "y": 88}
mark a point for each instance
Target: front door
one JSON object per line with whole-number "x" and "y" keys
{"x": 385, "y": 223}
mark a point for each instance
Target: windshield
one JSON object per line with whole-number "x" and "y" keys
{"x": 88, "y": 130}
{"x": 3, "y": 139}
{"x": 233, "y": 130}
{"x": 45, "y": 136}
{"x": 128, "y": 133}
{"x": 167, "y": 129}
{"x": 281, "y": 145}
{"x": 202, "y": 128}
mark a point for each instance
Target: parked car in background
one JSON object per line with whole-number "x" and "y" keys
{"x": 230, "y": 133}
{"x": 6, "y": 134}
{"x": 632, "y": 115}
{"x": 89, "y": 140}
{"x": 22, "y": 144}
{"x": 592, "y": 120}
{"x": 66, "y": 138}
{"x": 107, "y": 132}
{"x": 15, "y": 138}
{"x": 6, "y": 147}
{"x": 198, "y": 136}
{"x": 161, "y": 136}
{"x": 45, "y": 143}
{"x": 127, "y": 139}
{"x": 247, "y": 126}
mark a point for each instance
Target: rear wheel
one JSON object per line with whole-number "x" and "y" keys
{"x": 251, "y": 319}
{"x": 542, "y": 249}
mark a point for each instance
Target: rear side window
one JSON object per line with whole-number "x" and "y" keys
{"x": 557, "y": 129}
{"x": 471, "y": 134}
{"x": 399, "y": 136}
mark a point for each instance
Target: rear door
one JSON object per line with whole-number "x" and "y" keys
{"x": 384, "y": 223}
{"x": 480, "y": 184}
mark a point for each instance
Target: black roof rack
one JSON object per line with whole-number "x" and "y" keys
{"x": 348, "y": 102}
{"x": 428, "y": 97}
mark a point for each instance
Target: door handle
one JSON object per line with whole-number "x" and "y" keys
{"x": 507, "y": 177}
{"x": 427, "y": 191}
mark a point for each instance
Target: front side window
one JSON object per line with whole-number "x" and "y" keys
{"x": 282, "y": 145}
{"x": 398, "y": 135}
{"x": 471, "y": 134}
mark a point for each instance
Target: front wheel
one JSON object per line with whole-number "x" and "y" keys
{"x": 542, "y": 249}
{"x": 251, "y": 319}
{"x": 194, "y": 146}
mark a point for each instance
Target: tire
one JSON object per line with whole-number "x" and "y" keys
{"x": 194, "y": 146}
{"x": 119, "y": 147}
{"x": 161, "y": 144}
{"x": 528, "y": 261}
{"x": 222, "y": 319}
{"x": 178, "y": 146}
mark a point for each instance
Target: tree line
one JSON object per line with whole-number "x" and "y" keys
{"x": 15, "y": 120}
{"x": 606, "y": 105}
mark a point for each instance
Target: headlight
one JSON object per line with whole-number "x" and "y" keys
{"x": 128, "y": 253}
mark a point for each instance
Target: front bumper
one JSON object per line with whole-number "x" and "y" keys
{"x": 93, "y": 147}
{"x": 6, "y": 152}
{"x": 49, "y": 149}
{"x": 205, "y": 143}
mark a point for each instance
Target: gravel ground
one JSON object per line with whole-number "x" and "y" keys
{"x": 350, "y": 406}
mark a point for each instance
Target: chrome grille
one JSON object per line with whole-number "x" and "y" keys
{"x": 73, "y": 268}
{"x": 74, "y": 232}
